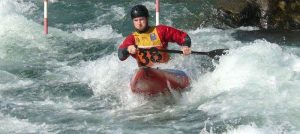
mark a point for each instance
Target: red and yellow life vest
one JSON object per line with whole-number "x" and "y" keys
{"x": 148, "y": 44}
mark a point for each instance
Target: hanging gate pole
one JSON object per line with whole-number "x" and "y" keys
{"x": 157, "y": 12}
{"x": 45, "y": 16}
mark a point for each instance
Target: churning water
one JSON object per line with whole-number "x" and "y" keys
{"x": 71, "y": 81}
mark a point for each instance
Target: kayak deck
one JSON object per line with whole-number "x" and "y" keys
{"x": 150, "y": 81}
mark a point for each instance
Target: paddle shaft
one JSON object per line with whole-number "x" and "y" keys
{"x": 213, "y": 54}
{"x": 180, "y": 52}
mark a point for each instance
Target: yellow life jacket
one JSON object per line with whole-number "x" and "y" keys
{"x": 148, "y": 44}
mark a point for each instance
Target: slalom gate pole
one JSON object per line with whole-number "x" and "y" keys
{"x": 157, "y": 12}
{"x": 46, "y": 17}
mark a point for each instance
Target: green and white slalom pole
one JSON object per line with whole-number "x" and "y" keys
{"x": 157, "y": 12}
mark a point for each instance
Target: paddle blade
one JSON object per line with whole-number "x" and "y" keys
{"x": 215, "y": 54}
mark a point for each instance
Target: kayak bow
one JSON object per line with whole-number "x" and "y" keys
{"x": 150, "y": 81}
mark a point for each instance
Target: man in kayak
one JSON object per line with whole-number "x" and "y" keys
{"x": 144, "y": 44}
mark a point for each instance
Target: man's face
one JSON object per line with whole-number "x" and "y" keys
{"x": 140, "y": 23}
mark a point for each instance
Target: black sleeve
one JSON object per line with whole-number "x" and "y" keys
{"x": 123, "y": 54}
{"x": 187, "y": 41}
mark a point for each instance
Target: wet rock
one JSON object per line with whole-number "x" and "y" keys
{"x": 266, "y": 14}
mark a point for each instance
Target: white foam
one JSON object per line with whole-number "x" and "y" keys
{"x": 27, "y": 8}
{"x": 205, "y": 30}
{"x": 107, "y": 74}
{"x": 254, "y": 62}
{"x": 8, "y": 81}
{"x": 24, "y": 41}
{"x": 2, "y": 53}
{"x": 14, "y": 125}
{"x": 249, "y": 28}
{"x": 246, "y": 129}
{"x": 206, "y": 39}
{"x": 150, "y": 5}
{"x": 104, "y": 33}
{"x": 252, "y": 128}
{"x": 254, "y": 80}
{"x": 110, "y": 76}
{"x": 23, "y": 32}
{"x": 53, "y": 1}
{"x": 297, "y": 66}
{"x": 15, "y": 84}
{"x": 8, "y": 7}
{"x": 118, "y": 12}
{"x": 115, "y": 13}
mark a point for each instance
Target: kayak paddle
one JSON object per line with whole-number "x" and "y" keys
{"x": 213, "y": 54}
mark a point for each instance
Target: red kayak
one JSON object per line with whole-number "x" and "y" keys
{"x": 150, "y": 81}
